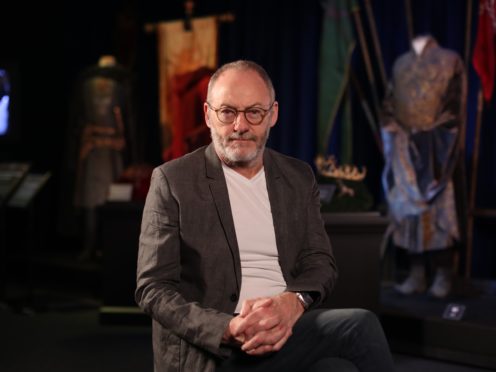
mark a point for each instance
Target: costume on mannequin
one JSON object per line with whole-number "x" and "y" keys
{"x": 104, "y": 130}
{"x": 421, "y": 122}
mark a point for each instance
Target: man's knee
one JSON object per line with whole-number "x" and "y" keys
{"x": 365, "y": 317}
{"x": 348, "y": 321}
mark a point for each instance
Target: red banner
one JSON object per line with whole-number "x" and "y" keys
{"x": 187, "y": 58}
{"x": 484, "y": 57}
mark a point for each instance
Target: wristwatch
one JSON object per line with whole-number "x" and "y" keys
{"x": 305, "y": 299}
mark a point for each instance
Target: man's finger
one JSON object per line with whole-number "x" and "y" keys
{"x": 263, "y": 302}
{"x": 265, "y": 338}
{"x": 278, "y": 345}
{"x": 264, "y": 349}
{"x": 270, "y": 322}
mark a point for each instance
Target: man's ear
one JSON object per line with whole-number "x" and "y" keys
{"x": 205, "y": 111}
{"x": 274, "y": 114}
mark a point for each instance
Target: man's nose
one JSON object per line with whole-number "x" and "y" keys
{"x": 240, "y": 123}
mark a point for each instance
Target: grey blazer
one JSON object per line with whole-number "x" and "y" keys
{"x": 189, "y": 272}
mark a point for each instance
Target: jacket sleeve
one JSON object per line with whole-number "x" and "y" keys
{"x": 159, "y": 274}
{"x": 316, "y": 269}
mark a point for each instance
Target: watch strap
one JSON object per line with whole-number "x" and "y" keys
{"x": 305, "y": 299}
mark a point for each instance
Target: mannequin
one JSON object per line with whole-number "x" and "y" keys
{"x": 421, "y": 121}
{"x": 419, "y": 43}
{"x": 104, "y": 131}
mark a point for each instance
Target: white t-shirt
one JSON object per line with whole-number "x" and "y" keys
{"x": 260, "y": 270}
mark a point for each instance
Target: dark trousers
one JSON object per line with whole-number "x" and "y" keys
{"x": 324, "y": 340}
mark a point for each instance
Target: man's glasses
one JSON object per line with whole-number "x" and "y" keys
{"x": 253, "y": 115}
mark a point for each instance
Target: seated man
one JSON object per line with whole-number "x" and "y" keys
{"x": 234, "y": 258}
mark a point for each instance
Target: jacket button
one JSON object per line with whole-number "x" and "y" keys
{"x": 234, "y": 297}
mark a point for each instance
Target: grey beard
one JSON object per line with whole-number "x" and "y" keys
{"x": 230, "y": 157}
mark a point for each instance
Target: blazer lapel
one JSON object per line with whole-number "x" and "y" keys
{"x": 277, "y": 195}
{"x": 220, "y": 195}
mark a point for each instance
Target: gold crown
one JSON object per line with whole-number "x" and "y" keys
{"x": 327, "y": 167}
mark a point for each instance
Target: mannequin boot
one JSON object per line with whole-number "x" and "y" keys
{"x": 414, "y": 283}
{"x": 441, "y": 286}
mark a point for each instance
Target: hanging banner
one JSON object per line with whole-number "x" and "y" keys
{"x": 338, "y": 42}
{"x": 484, "y": 58}
{"x": 187, "y": 59}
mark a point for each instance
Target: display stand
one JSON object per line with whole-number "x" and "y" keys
{"x": 119, "y": 239}
{"x": 355, "y": 238}
{"x": 356, "y": 243}
{"x": 11, "y": 175}
{"x": 25, "y": 194}
{"x": 22, "y": 199}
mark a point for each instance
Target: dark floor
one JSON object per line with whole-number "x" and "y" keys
{"x": 477, "y": 297}
{"x": 61, "y": 332}
{"x": 56, "y": 327}
{"x": 424, "y": 326}
{"x": 71, "y": 341}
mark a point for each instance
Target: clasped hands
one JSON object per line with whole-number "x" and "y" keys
{"x": 264, "y": 324}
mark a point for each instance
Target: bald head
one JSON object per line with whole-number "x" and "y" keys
{"x": 242, "y": 65}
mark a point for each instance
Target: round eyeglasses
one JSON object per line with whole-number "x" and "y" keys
{"x": 253, "y": 115}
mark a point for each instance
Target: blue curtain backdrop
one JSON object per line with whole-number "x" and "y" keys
{"x": 282, "y": 36}
{"x": 286, "y": 40}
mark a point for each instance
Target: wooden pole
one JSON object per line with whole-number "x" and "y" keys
{"x": 367, "y": 111}
{"x": 366, "y": 57}
{"x": 466, "y": 216}
{"x": 377, "y": 46}
{"x": 473, "y": 186}
{"x": 151, "y": 27}
{"x": 468, "y": 26}
{"x": 409, "y": 19}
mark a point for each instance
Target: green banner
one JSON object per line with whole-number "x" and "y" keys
{"x": 337, "y": 45}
